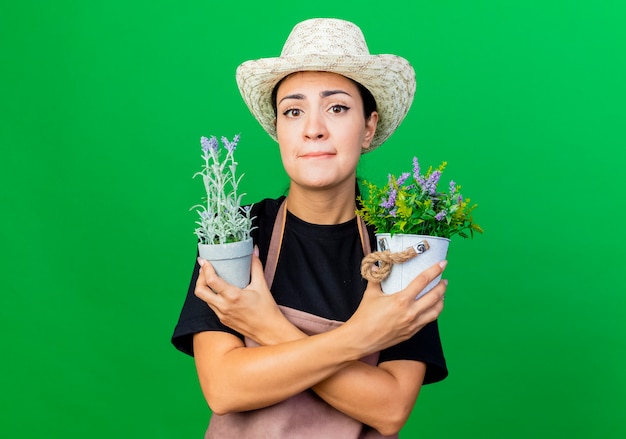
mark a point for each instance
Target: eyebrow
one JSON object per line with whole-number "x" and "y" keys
{"x": 323, "y": 94}
{"x": 293, "y": 96}
{"x": 327, "y": 93}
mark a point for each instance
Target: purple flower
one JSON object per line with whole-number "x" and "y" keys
{"x": 403, "y": 178}
{"x": 431, "y": 184}
{"x": 441, "y": 215}
{"x": 230, "y": 146}
{"x": 390, "y": 201}
{"x": 460, "y": 199}
{"x": 452, "y": 186}
{"x": 208, "y": 144}
{"x": 416, "y": 168}
{"x": 392, "y": 213}
{"x": 416, "y": 173}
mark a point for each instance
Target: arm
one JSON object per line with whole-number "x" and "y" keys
{"x": 290, "y": 362}
{"x": 387, "y": 400}
{"x": 236, "y": 378}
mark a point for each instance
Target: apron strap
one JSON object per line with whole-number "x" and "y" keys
{"x": 365, "y": 237}
{"x": 276, "y": 242}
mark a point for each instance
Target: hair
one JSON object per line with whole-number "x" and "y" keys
{"x": 369, "y": 103}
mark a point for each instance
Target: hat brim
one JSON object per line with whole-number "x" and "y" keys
{"x": 390, "y": 79}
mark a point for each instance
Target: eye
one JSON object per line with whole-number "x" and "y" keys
{"x": 337, "y": 109}
{"x": 292, "y": 112}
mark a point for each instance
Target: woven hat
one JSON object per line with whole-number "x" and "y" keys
{"x": 338, "y": 46}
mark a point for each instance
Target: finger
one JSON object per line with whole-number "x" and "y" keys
{"x": 209, "y": 277}
{"x": 257, "y": 274}
{"x": 435, "y": 296}
{"x": 431, "y": 313}
{"x": 424, "y": 278}
{"x": 203, "y": 292}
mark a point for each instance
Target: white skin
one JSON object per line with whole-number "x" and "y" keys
{"x": 321, "y": 130}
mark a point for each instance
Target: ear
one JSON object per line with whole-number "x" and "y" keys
{"x": 370, "y": 130}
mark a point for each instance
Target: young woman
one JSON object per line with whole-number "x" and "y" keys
{"x": 309, "y": 349}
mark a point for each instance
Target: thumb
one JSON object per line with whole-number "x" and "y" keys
{"x": 373, "y": 289}
{"x": 209, "y": 277}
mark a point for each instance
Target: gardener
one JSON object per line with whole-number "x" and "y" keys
{"x": 274, "y": 359}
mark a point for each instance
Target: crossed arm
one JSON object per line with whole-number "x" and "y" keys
{"x": 238, "y": 378}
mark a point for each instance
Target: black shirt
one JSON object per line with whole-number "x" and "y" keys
{"x": 318, "y": 272}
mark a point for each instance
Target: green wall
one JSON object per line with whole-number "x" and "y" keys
{"x": 102, "y": 104}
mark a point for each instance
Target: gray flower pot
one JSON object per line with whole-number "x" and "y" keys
{"x": 231, "y": 261}
{"x": 402, "y": 274}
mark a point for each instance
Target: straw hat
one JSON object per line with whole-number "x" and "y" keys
{"x": 338, "y": 46}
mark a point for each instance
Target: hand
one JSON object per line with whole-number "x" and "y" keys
{"x": 251, "y": 311}
{"x": 386, "y": 320}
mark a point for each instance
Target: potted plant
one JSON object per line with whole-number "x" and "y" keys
{"x": 224, "y": 225}
{"x": 413, "y": 221}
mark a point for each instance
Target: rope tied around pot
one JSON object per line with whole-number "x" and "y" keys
{"x": 377, "y": 266}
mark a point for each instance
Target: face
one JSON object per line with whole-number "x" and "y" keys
{"x": 321, "y": 129}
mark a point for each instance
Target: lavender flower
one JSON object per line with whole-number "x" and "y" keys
{"x": 208, "y": 144}
{"x": 403, "y": 178}
{"x": 230, "y": 146}
{"x": 452, "y": 186}
{"x": 390, "y": 201}
{"x": 416, "y": 174}
{"x": 431, "y": 184}
{"x": 416, "y": 168}
{"x": 441, "y": 215}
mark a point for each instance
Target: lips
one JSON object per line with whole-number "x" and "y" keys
{"x": 317, "y": 154}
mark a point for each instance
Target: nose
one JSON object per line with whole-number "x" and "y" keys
{"x": 315, "y": 128}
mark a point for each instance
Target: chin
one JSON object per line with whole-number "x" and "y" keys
{"x": 318, "y": 184}
{"x": 323, "y": 183}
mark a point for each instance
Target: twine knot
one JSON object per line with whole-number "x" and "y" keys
{"x": 377, "y": 265}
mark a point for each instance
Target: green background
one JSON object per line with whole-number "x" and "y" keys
{"x": 102, "y": 104}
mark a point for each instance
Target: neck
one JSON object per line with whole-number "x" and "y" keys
{"x": 324, "y": 206}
